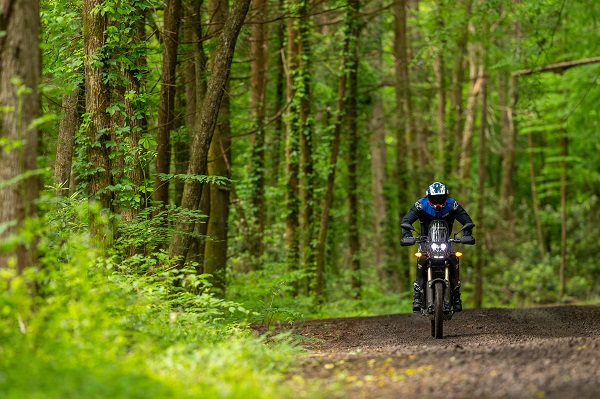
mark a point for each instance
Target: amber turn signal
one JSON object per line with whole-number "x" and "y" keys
{"x": 418, "y": 254}
{"x": 458, "y": 254}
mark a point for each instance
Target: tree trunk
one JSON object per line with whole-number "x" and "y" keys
{"x": 166, "y": 110}
{"x": 563, "y": 143}
{"x": 306, "y": 140}
{"x": 196, "y": 70}
{"x": 203, "y": 133}
{"x": 137, "y": 120}
{"x": 292, "y": 150}
{"x": 404, "y": 139}
{"x": 19, "y": 59}
{"x": 378, "y": 169}
{"x": 215, "y": 252}
{"x": 280, "y": 101}
{"x": 534, "y": 196}
{"x": 458, "y": 80}
{"x": 469, "y": 130}
{"x": 478, "y": 294}
{"x": 441, "y": 115}
{"x": 406, "y": 144}
{"x": 353, "y": 141}
{"x": 97, "y": 98}
{"x": 259, "y": 63}
{"x": 508, "y": 145}
{"x": 320, "y": 282}
{"x": 69, "y": 124}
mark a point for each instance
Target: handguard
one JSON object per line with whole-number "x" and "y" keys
{"x": 468, "y": 240}
{"x": 407, "y": 241}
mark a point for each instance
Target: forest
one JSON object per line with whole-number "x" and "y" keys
{"x": 174, "y": 172}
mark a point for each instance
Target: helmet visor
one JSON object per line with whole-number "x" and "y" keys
{"x": 438, "y": 199}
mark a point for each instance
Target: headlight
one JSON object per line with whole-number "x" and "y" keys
{"x": 435, "y": 247}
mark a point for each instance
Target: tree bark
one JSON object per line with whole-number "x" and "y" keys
{"x": 97, "y": 99}
{"x": 258, "y": 67}
{"x": 508, "y": 134}
{"x": 69, "y": 123}
{"x": 353, "y": 142}
{"x": 478, "y": 294}
{"x": 378, "y": 169}
{"x": 320, "y": 282}
{"x": 469, "y": 130}
{"x": 19, "y": 59}
{"x": 458, "y": 80}
{"x": 292, "y": 150}
{"x": 406, "y": 144}
{"x": 166, "y": 110}
{"x": 563, "y": 143}
{"x": 204, "y": 131}
{"x": 306, "y": 141}
{"x": 215, "y": 252}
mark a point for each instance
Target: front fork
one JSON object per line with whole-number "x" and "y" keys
{"x": 429, "y": 288}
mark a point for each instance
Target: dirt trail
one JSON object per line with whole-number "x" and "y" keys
{"x": 545, "y": 352}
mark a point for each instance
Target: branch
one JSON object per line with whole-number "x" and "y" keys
{"x": 557, "y": 68}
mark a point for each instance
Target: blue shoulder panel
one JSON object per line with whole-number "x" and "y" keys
{"x": 426, "y": 206}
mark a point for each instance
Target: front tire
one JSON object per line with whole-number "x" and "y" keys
{"x": 439, "y": 310}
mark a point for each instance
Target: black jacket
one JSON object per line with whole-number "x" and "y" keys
{"x": 425, "y": 213}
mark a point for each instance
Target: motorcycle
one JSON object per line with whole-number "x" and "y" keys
{"x": 436, "y": 259}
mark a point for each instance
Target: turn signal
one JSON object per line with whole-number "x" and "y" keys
{"x": 418, "y": 254}
{"x": 458, "y": 254}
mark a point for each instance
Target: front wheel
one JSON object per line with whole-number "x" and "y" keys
{"x": 439, "y": 310}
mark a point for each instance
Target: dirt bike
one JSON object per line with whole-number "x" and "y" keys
{"x": 436, "y": 259}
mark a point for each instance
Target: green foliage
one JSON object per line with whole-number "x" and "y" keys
{"x": 102, "y": 333}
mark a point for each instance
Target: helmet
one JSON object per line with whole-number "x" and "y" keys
{"x": 437, "y": 194}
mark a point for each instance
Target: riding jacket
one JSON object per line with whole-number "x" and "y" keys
{"x": 424, "y": 212}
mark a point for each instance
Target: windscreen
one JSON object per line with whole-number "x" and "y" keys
{"x": 438, "y": 231}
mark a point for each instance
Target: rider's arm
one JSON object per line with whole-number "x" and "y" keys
{"x": 411, "y": 217}
{"x": 462, "y": 216}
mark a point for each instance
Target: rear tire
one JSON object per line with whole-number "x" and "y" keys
{"x": 439, "y": 310}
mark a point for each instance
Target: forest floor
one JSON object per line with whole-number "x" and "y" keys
{"x": 542, "y": 352}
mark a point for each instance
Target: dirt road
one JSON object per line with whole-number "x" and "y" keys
{"x": 545, "y": 352}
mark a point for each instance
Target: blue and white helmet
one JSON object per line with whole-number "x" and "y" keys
{"x": 437, "y": 194}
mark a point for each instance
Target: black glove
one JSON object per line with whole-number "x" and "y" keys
{"x": 469, "y": 240}
{"x": 407, "y": 241}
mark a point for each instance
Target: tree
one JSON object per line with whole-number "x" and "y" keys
{"x": 259, "y": 65}
{"x": 353, "y": 141}
{"x": 97, "y": 99}
{"x": 20, "y": 69}
{"x": 69, "y": 124}
{"x": 204, "y": 131}
{"x": 166, "y": 110}
{"x": 215, "y": 254}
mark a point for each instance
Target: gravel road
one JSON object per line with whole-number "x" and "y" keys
{"x": 542, "y": 352}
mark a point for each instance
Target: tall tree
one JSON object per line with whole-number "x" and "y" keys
{"x": 20, "y": 68}
{"x": 405, "y": 153}
{"x": 458, "y": 79}
{"x": 258, "y": 66}
{"x": 204, "y": 130}
{"x": 166, "y": 110}
{"x": 292, "y": 147}
{"x": 377, "y": 127}
{"x": 97, "y": 99}
{"x": 353, "y": 142}
{"x": 215, "y": 254}
{"x": 69, "y": 123}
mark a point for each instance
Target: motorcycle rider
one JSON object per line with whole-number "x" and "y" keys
{"x": 436, "y": 205}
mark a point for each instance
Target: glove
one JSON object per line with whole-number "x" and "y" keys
{"x": 407, "y": 241}
{"x": 469, "y": 240}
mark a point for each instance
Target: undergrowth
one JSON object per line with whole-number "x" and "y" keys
{"x": 79, "y": 327}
